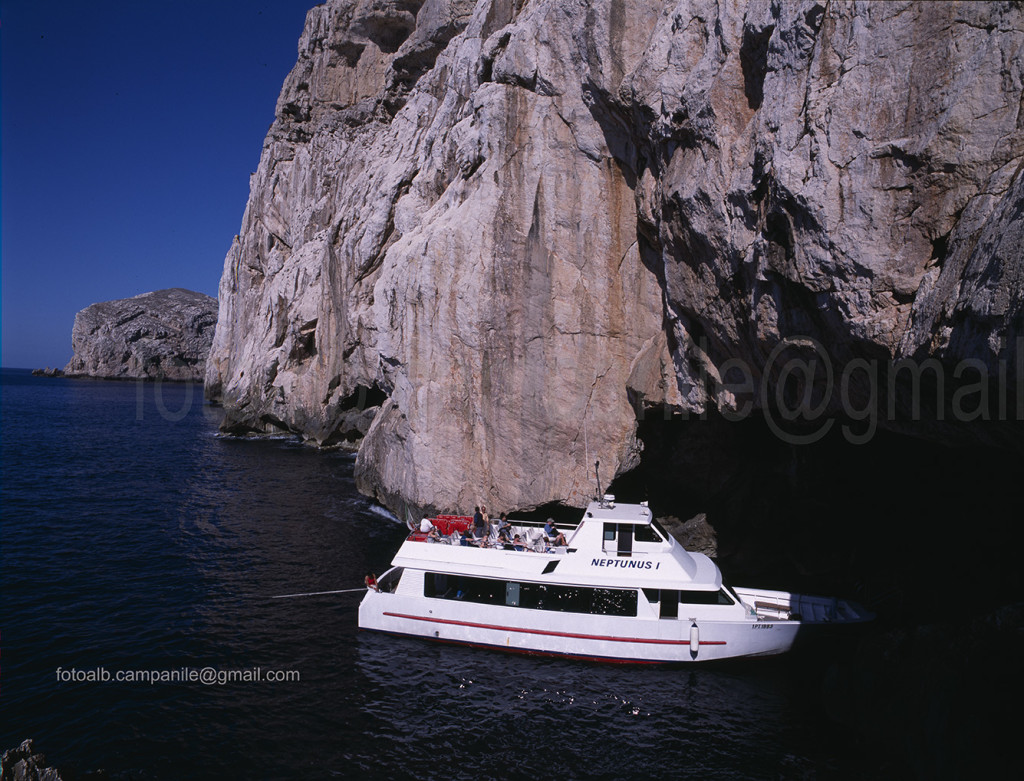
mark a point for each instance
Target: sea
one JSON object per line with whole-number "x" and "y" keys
{"x": 145, "y": 631}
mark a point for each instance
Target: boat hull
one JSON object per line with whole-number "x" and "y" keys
{"x": 596, "y": 638}
{"x": 620, "y": 589}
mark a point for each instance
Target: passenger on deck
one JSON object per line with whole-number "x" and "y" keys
{"x": 552, "y": 534}
{"x": 518, "y": 543}
{"x": 371, "y": 581}
{"x": 428, "y": 528}
{"x": 481, "y": 524}
{"x": 480, "y": 538}
{"x": 467, "y": 537}
{"x": 505, "y": 534}
{"x": 477, "y": 517}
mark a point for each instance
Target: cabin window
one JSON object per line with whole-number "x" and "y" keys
{"x": 644, "y": 533}
{"x": 614, "y": 602}
{"x": 481, "y": 590}
{"x": 705, "y": 598}
{"x": 538, "y": 596}
{"x": 623, "y": 532}
{"x": 659, "y": 528}
{"x": 389, "y": 580}
{"x": 435, "y": 584}
{"x": 670, "y": 599}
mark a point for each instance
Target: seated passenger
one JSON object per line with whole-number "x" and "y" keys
{"x": 426, "y": 525}
{"x": 518, "y": 543}
{"x": 552, "y": 534}
{"x": 480, "y": 534}
{"x": 505, "y": 534}
{"x": 371, "y": 581}
{"x": 467, "y": 537}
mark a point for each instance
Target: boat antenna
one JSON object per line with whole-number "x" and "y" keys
{"x": 586, "y": 444}
{"x": 597, "y": 474}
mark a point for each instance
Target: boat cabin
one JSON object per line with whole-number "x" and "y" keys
{"x": 621, "y": 544}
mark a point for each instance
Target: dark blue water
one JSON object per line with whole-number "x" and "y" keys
{"x": 135, "y": 538}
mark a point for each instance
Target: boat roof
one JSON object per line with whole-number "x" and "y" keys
{"x": 588, "y": 559}
{"x": 609, "y": 511}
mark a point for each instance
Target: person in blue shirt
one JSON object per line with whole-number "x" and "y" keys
{"x": 552, "y": 534}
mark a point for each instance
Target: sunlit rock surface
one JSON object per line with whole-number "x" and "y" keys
{"x": 507, "y": 226}
{"x": 161, "y": 335}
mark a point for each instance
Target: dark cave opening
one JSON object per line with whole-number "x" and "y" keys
{"x": 927, "y": 535}
{"x": 354, "y": 414}
{"x": 918, "y": 531}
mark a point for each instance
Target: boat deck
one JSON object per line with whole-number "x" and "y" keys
{"x": 783, "y": 606}
{"x": 451, "y": 527}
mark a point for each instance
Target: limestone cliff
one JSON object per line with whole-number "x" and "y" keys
{"x": 165, "y": 334}
{"x": 509, "y": 225}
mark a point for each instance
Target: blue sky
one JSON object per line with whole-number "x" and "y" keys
{"x": 129, "y": 130}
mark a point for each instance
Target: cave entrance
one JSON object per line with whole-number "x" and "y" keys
{"x": 889, "y": 522}
{"x": 354, "y": 414}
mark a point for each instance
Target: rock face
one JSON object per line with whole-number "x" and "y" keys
{"x": 166, "y": 334}
{"x": 25, "y": 764}
{"x": 695, "y": 535}
{"x": 507, "y": 226}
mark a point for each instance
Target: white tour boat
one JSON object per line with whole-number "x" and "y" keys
{"x": 620, "y": 590}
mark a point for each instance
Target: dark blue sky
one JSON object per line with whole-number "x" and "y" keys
{"x": 129, "y": 132}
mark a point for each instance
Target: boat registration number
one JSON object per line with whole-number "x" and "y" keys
{"x": 763, "y": 626}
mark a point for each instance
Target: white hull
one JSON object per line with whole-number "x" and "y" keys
{"x": 737, "y": 623}
{"x": 613, "y": 640}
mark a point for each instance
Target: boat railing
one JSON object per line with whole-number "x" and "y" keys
{"x": 449, "y": 530}
{"x": 772, "y": 609}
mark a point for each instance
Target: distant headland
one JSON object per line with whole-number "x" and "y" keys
{"x": 163, "y": 335}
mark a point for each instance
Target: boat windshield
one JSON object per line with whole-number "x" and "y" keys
{"x": 660, "y": 529}
{"x": 389, "y": 580}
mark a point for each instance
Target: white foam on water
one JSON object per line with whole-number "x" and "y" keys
{"x": 376, "y": 509}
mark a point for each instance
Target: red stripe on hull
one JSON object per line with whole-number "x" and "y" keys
{"x": 550, "y": 633}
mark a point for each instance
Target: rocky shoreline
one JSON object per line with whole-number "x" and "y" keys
{"x": 24, "y": 763}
